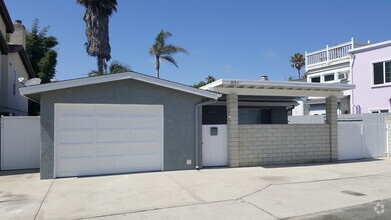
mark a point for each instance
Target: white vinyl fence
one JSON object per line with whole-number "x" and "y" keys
{"x": 359, "y": 135}
{"x": 361, "y": 140}
{"x": 20, "y": 142}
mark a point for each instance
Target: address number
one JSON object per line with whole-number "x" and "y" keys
{"x": 234, "y": 82}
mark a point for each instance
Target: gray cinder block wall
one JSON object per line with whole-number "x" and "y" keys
{"x": 283, "y": 144}
{"x": 251, "y": 145}
{"x": 332, "y": 120}
{"x": 232, "y": 130}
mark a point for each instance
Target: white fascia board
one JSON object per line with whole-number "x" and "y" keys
{"x": 213, "y": 84}
{"x": 370, "y": 47}
{"x": 115, "y": 77}
{"x": 278, "y": 92}
{"x": 293, "y": 85}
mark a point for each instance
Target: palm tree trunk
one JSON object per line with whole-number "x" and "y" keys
{"x": 157, "y": 66}
{"x": 100, "y": 65}
{"x": 298, "y": 70}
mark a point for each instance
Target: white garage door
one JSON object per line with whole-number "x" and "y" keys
{"x": 93, "y": 139}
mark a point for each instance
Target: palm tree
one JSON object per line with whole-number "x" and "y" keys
{"x": 96, "y": 18}
{"x": 298, "y": 61}
{"x": 115, "y": 67}
{"x": 210, "y": 79}
{"x": 164, "y": 51}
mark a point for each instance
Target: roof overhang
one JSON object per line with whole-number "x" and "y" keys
{"x": 274, "y": 88}
{"x": 6, "y": 17}
{"x": 370, "y": 47}
{"x": 33, "y": 92}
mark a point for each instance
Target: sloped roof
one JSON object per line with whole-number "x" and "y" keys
{"x": 33, "y": 92}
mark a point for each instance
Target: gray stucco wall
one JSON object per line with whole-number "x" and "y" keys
{"x": 179, "y": 110}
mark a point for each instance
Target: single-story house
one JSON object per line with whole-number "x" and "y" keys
{"x": 130, "y": 122}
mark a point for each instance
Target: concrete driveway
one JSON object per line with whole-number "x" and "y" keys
{"x": 240, "y": 193}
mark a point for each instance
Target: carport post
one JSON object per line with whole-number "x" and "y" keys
{"x": 332, "y": 120}
{"x": 232, "y": 130}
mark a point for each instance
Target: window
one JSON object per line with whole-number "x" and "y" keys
{"x": 382, "y": 73}
{"x": 380, "y": 111}
{"x": 329, "y": 77}
{"x": 315, "y": 79}
{"x": 249, "y": 115}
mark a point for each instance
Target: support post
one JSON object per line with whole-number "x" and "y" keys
{"x": 332, "y": 120}
{"x": 232, "y": 130}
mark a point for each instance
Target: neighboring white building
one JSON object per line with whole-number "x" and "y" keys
{"x": 329, "y": 65}
{"x": 14, "y": 64}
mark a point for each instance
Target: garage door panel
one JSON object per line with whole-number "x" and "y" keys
{"x": 112, "y": 164}
{"x": 94, "y": 139}
{"x": 112, "y": 136}
{"x": 76, "y": 137}
{"x": 76, "y": 150}
{"x": 76, "y": 123}
{"x": 144, "y": 122}
{"x": 142, "y": 111}
{"x": 110, "y": 122}
{"x": 148, "y": 162}
{"x": 72, "y": 165}
{"x": 112, "y": 111}
{"x": 82, "y": 110}
{"x": 112, "y": 149}
{"x": 145, "y": 147}
{"x": 144, "y": 135}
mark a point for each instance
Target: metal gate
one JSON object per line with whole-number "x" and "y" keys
{"x": 362, "y": 140}
{"x": 20, "y": 142}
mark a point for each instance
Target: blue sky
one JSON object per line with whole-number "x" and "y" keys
{"x": 225, "y": 38}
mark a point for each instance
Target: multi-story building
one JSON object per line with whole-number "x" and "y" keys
{"x": 14, "y": 64}
{"x": 329, "y": 65}
{"x": 371, "y": 73}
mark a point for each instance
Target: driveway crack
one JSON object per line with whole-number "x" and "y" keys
{"x": 44, "y": 198}
{"x": 187, "y": 190}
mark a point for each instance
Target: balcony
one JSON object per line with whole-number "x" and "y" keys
{"x": 331, "y": 55}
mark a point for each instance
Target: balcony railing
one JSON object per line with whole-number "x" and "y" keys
{"x": 335, "y": 53}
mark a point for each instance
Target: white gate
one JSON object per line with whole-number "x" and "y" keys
{"x": 20, "y": 142}
{"x": 361, "y": 140}
{"x": 214, "y": 145}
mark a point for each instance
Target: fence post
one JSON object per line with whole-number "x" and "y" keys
{"x": 388, "y": 126}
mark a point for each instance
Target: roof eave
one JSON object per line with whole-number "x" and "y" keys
{"x": 370, "y": 47}
{"x": 32, "y": 90}
{"x": 6, "y": 17}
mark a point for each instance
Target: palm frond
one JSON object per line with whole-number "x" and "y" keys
{"x": 170, "y": 49}
{"x": 169, "y": 59}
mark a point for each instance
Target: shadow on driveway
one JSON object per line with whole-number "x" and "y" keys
{"x": 17, "y": 172}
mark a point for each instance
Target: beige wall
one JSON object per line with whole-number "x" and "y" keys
{"x": 3, "y": 82}
{"x": 2, "y": 27}
{"x": 16, "y": 103}
{"x": 283, "y": 144}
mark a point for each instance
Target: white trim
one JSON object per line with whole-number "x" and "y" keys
{"x": 114, "y": 77}
{"x": 371, "y": 47}
{"x": 384, "y": 73}
{"x": 285, "y": 87}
